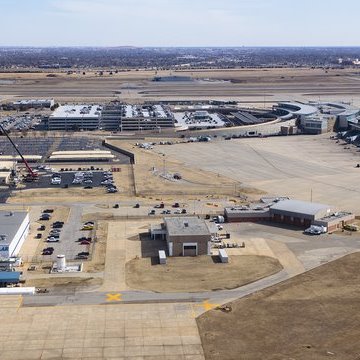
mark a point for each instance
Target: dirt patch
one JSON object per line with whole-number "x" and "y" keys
{"x": 65, "y": 283}
{"x": 313, "y": 316}
{"x": 201, "y": 273}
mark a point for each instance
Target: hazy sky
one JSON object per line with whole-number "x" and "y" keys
{"x": 180, "y": 22}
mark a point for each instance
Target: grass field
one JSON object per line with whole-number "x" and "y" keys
{"x": 202, "y": 273}
{"x": 313, "y": 316}
{"x": 246, "y": 85}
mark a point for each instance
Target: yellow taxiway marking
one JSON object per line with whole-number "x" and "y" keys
{"x": 207, "y": 305}
{"x": 113, "y": 297}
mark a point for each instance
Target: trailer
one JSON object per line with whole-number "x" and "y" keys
{"x": 223, "y": 256}
{"x": 162, "y": 257}
{"x": 17, "y": 291}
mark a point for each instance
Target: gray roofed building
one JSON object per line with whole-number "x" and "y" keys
{"x": 298, "y": 212}
{"x": 187, "y": 236}
{"x": 189, "y": 225}
{"x": 300, "y": 207}
{"x": 14, "y": 227}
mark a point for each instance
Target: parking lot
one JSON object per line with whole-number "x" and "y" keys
{"x": 87, "y": 179}
{"x": 68, "y": 229}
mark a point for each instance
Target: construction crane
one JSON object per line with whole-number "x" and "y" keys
{"x": 31, "y": 176}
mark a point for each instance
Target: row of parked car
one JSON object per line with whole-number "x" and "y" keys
{"x": 84, "y": 240}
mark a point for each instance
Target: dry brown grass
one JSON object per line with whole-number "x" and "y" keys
{"x": 194, "y": 181}
{"x": 313, "y": 316}
{"x": 201, "y": 273}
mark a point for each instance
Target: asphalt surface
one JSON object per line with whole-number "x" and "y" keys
{"x": 92, "y": 298}
{"x": 311, "y": 251}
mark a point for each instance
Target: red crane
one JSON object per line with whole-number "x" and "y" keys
{"x": 31, "y": 173}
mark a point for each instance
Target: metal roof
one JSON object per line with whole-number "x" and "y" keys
{"x": 9, "y": 276}
{"x": 298, "y": 108}
{"x": 300, "y": 207}
{"x": 10, "y": 222}
{"x": 186, "y": 226}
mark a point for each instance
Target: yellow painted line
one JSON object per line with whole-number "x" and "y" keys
{"x": 21, "y": 300}
{"x": 193, "y": 313}
{"x": 113, "y": 297}
{"x": 68, "y": 217}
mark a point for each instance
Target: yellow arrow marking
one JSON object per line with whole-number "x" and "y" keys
{"x": 113, "y": 297}
{"x": 207, "y": 306}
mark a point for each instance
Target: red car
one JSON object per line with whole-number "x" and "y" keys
{"x": 85, "y": 242}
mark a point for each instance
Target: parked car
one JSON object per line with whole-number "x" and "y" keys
{"x": 84, "y": 238}
{"x": 137, "y": 206}
{"x": 183, "y": 211}
{"x": 111, "y": 190}
{"x": 81, "y": 257}
{"x": 84, "y": 253}
{"x": 87, "y": 227}
{"x": 42, "y": 228}
{"x": 152, "y": 212}
{"x": 38, "y": 236}
{"x": 55, "y": 231}
{"x": 48, "y": 211}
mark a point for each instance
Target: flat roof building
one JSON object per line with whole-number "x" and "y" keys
{"x": 187, "y": 236}
{"x": 81, "y": 155}
{"x": 33, "y": 104}
{"x": 14, "y": 227}
{"x": 121, "y": 117}
{"x": 75, "y": 118}
{"x": 199, "y": 119}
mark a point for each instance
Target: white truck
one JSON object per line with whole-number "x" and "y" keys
{"x": 316, "y": 230}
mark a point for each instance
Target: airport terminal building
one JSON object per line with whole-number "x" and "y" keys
{"x": 120, "y": 117}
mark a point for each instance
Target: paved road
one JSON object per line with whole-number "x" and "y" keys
{"x": 92, "y": 298}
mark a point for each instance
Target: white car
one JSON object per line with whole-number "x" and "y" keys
{"x": 55, "y": 181}
{"x": 52, "y": 239}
